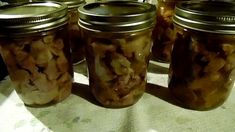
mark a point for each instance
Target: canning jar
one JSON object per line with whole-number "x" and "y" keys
{"x": 77, "y": 46}
{"x": 117, "y": 36}
{"x": 34, "y": 46}
{"x": 203, "y": 58}
{"x": 163, "y": 33}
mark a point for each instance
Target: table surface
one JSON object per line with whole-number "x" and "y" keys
{"x": 154, "y": 112}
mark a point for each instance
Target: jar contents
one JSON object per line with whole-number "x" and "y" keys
{"x": 163, "y": 33}
{"x": 76, "y": 44}
{"x": 203, "y": 69}
{"x": 39, "y": 68}
{"x": 117, "y": 68}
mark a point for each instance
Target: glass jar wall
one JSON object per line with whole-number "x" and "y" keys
{"x": 39, "y": 67}
{"x": 118, "y": 66}
{"x": 202, "y": 69}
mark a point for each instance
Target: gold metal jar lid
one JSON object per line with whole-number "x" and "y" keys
{"x": 71, "y": 4}
{"x": 117, "y": 16}
{"x": 207, "y": 16}
{"x": 28, "y": 18}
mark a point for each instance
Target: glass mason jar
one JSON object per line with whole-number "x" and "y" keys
{"x": 202, "y": 68}
{"x": 35, "y": 49}
{"x": 163, "y": 33}
{"x": 118, "y": 43}
{"x": 77, "y": 46}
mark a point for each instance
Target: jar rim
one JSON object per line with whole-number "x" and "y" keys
{"x": 71, "y": 4}
{"x": 117, "y": 16}
{"x": 27, "y": 18}
{"x": 207, "y": 16}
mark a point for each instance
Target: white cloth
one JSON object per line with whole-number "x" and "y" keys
{"x": 152, "y": 113}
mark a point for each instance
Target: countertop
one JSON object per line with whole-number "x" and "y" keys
{"x": 156, "y": 111}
